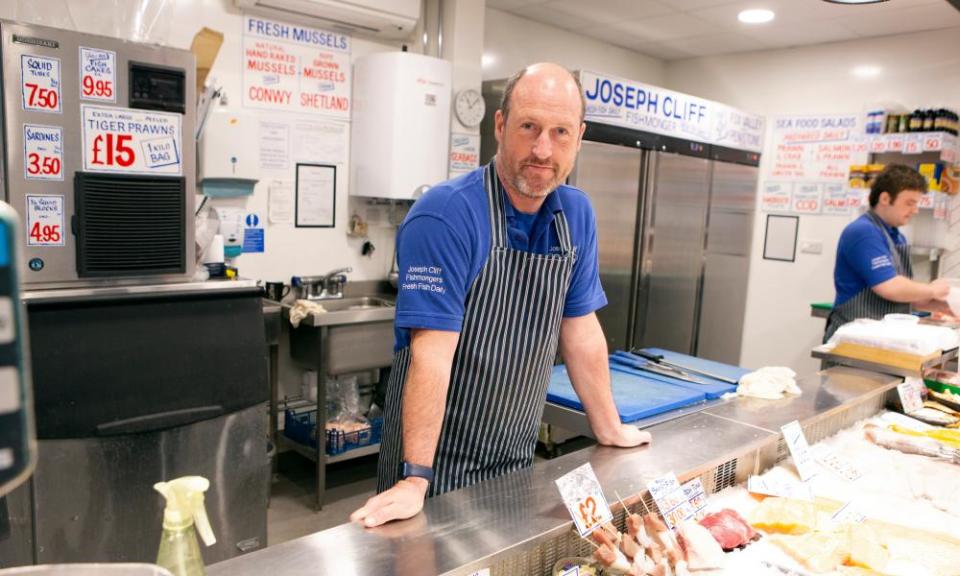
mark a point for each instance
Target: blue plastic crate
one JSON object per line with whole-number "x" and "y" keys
{"x": 299, "y": 427}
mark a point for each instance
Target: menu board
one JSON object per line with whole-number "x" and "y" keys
{"x": 809, "y": 161}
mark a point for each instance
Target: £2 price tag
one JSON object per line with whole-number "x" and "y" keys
{"x": 800, "y": 450}
{"x": 40, "y": 83}
{"x": 584, "y": 499}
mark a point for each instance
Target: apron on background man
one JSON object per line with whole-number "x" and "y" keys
{"x": 866, "y": 303}
{"x": 502, "y": 365}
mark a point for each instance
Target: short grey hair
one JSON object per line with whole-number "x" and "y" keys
{"x": 512, "y": 83}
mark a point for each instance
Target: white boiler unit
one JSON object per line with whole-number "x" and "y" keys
{"x": 401, "y": 125}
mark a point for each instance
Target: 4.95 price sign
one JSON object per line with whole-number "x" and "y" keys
{"x": 40, "y": 83}
{"x": 42, "y": 152}
{"x": 98, "y": 75}
{"x": 44, "y": 220}
{"x": 131, "y": 141}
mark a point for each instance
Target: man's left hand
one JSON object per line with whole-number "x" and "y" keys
{"x": 627, "y": 436}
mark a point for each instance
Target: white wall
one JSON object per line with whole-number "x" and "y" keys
{"x": 918, "y": 70}
{"x": 512, "y": 42}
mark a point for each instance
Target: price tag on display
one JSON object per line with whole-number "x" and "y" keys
{"x": 584, "y": 499}
{"x": 911, "y": 394}
{"x": 800, "y": 450}
{"x": 848, "y": 514}
{"x": 913, "y": 145}
{"x": 697, "y": 498}
{"x": 483, "y": 572}
{"x": 895, "y": 142}
{"x": 98, "y": 74}
{"x": 44, "y": 220}
{"x": 933, "y": 143}
{"x": 878, "y": 145}
{"x": 831, "y": 460}
{"x": 808, "y": 198}
{"x": 131, "y": 141}
{"x": 774, "y": 487}
{"x": 670, "y": 499}
{"x": 926, "y": 201}
{"x": 42, "y": 152}
{"x": 40, "y": 83}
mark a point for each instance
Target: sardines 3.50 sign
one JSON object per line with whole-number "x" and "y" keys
{"x": 42, "y": 152}
{"x": 131, "y": 141}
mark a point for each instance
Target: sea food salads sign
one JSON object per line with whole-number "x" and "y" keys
{"x": 647, "y": 108}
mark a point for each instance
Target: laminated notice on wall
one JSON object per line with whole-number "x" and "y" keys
{"x": 131, "y": 141}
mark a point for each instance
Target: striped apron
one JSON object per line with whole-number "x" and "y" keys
{"x": 866, "y": 304}
{"x": 502, "y": 365}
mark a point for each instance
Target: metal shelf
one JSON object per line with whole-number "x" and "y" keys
{"x": 311, "y": 453}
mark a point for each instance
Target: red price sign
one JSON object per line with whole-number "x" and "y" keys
{"x": 584, "y": 499}
{"x": 98, "y": 77}
{"x": 111, "y": 149}
{"x": 44, "y": 220}
{"x": 40, "y": 83}
{"x": 42, "y": 152}
{"x": 45, "y": 233}
{"x": 588, "y": 512}
{"x": 895, "y": 144}
{"x": 913, "y": 146}
{"x": 933, "y": 143}
{"x": 878, "y": 146}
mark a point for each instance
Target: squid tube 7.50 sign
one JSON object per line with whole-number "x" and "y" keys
{"x": 131, "y": 141}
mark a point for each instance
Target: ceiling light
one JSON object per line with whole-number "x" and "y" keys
{"x": 854, "y": 1}
{"x": 867, "y": 71}
{"x": 755, "y": 16}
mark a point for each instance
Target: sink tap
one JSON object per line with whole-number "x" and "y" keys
{"x": 333, "y": 282}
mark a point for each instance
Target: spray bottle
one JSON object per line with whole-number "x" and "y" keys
{"x": 179, "y": 551}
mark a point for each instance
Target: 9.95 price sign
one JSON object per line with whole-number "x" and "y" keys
{"x": 42, "y": 152}
{"x": 40, "y": 83}
{"x": 44, "y": 220}
{"x": 98, "y": 74}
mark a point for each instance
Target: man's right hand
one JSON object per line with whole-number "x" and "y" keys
{"x": 402, "y": 501}
{"x": 939, "y": 289}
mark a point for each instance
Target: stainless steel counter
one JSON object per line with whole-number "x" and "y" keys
{"x": 506, "y": 524}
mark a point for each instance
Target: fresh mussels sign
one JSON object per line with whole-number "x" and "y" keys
{"x": 612, "y": 100}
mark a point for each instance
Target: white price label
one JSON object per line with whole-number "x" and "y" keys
{"x": 773, "y": 487}
{"x": 44, "y": 220}
{"x": 848, "y": 514}
{"x": 800, "y": 450}
{"x": 878, "y": 146}
{"x": 483, "y": 572}
{"x": 131, "y": 141}
{"x": 697, "y": 498}
{"x": 913, "y": 145}
{"x": 933, "y": 142}
{"x": 670, "y": 499}
{"x": 808, "y": 198}
{"x": 40, "y": 83}
{"x": 42, "y": 152}
{"x": 911, "y": 394}
{"x": 98, "y": 74}
{"x": 584, "y": 499}
{"x": 831, "y": 460}
{"x": 895, "y": 142}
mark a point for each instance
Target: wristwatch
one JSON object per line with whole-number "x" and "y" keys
{"x": 415, "y": 470}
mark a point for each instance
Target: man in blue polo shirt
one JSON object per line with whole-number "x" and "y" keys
{"x": 498, "y": 270}
{"x": 873, "y": 276}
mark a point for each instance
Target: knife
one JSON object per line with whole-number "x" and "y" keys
{"x": 659, "y": 359}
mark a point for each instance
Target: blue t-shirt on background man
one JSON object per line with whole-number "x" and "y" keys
{"x": 444, "y": 242}
{"x": 863, "y": 258}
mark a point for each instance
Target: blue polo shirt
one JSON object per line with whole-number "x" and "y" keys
{"x": 444, "y": 242}
{"x": 863, "y": 258}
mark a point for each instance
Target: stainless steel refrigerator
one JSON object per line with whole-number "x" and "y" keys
{"x": 675, "y": 226}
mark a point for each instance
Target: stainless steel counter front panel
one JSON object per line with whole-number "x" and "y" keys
{"x": 509, "y": 523}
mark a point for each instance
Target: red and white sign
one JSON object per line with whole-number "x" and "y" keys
{"x": 295, "y": 68}
{"x": 836, "y": 201}
{"x": 42, "y": 152}
{"x": 44, "y": 220}
{"x": 464, "y": 153}
{"x": 584, "y": 499}
{"x": 808, "y": 199}
{"x": 40, "y": 83}
{"x": 131, "y": 141}
{"x": 913, "y": 145}
{"x": 98, "y": 75}
{"x": 777, "y": 197}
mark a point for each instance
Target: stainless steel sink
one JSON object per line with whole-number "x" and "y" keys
{"x": 353, "y": 334}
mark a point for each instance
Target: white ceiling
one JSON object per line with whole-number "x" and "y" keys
{"x": 676, "y": 29}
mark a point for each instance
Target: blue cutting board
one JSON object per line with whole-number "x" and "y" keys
{"x": 715, "y": 388}
{"x": 712, "y": 388}
{"x": 636, "y": 396}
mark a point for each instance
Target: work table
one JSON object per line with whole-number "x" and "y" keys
{"x": 517, "y": 523}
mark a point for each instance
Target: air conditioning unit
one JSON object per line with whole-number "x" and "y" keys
{"x": 392, "y": 19}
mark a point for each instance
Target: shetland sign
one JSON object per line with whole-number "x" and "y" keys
{"x": 647, "y": 108}
{"x": 295, "y": 68}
